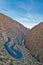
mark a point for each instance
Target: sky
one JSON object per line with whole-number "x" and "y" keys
{"x": 27, "y": 12}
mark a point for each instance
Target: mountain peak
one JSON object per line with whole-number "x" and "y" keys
{"x": 34, "y": 41}
{"x": 8, "y": 23}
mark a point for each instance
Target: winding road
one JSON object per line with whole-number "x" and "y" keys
{"x": 12, "y": 51}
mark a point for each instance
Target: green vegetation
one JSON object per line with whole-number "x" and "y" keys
{"x": 11, "y": 62}
{"x": 1, "y": 59}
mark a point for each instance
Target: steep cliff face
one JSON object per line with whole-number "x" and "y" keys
{"x": 34, "y": 41}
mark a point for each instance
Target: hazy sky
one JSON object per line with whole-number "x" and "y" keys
{"x": 27, "y": 12}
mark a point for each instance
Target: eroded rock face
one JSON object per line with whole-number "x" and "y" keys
{"x": 34, "y": 42}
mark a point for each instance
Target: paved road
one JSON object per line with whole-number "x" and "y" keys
{"x": 12, "y": 51}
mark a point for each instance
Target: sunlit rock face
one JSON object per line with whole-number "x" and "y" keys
{"x": 12, "y": 26}
{"x": 34, "y": 41}
{"x": 12, "y": 48}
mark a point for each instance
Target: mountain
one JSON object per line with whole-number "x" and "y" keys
{"x": 34, "y": 42}
{"x": 12, "y": 48}
{"x": 9, "y": 25}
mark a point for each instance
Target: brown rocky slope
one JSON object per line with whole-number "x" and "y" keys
{"x": 34, "y": 41}
{"x": 11, "y": 28}
{"x": 9, "y": 25}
